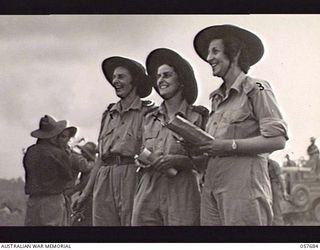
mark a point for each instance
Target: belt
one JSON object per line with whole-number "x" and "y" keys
{"x": 117, "y": 159}
{"x": 223, "y": 156}
{"x": 218, "y": 156}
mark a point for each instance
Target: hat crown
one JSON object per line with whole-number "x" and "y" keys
{"x": 49, "y": 127}
{"x": 254, "y": 45}
{"x": 47, "y": 123}
{"x": 91, "y": 147}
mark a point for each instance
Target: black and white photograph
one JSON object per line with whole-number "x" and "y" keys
{"x": 160, "y": 120}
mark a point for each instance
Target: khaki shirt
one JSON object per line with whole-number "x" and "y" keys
{"x": 121, "y": 131}
{"x": 157, "y": 138}
{"x": 248, "y": 109}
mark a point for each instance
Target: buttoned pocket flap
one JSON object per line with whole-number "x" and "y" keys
{"x": 236, "y": 116}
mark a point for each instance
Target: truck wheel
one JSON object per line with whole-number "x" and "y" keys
{"x": 300, "y": 195}
{"x": 317, "y": 211}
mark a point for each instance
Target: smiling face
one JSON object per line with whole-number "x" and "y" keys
{"x": 122, "y": 82}
{"x": 218, "y": 60}
{"x": 167, "y": 81}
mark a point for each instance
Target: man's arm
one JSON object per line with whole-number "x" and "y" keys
{"x": 89, "y": 187}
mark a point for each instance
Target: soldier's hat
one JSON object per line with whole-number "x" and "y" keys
{"x": 183, "y": 68}
{"x": 90, "y": 148}
{"x": 49, "y": 127}
{"x": 253, "y": 43}
{"x": 138, "y": 72}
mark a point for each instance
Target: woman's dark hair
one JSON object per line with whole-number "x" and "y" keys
{"x": 136, "y": 79}
{"x": 180, "y": 74}
{"x": 232, "y": 46}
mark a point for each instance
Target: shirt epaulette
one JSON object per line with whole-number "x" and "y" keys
{"x": 255, "y": 84}
{"x": 200, "y": 109}
{"x": 147, "y": 103}
{"x": 150, "y": 108}
{"x": 110, "y": 106}
{"x": 108, "y": 109}
{"x": 104, "y": 115}
{"x": 204, "y": 112}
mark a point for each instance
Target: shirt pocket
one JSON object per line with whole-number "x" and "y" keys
{"x": 150, "y": 135}
{"x": 174, "y": 147}
{"x": 129, "y": 136}
{"x": 107, "y": 132}
{"x": 150, "y": 140}
{"x": 129, "y": 141}
{"x": 236, "y": 116}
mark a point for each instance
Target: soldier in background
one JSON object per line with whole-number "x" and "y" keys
{"x": 289, "y": 176}
{"x": 279, "y": 191}
{"x": 79, "y": 164}
{"x": 47, "y": 172}
{"x": 313, "y": 153}
{"x": 83, "y": 217}
{"x": 289, "y": 162}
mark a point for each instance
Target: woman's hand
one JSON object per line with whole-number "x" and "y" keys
{"x": 215, "y": 147}
{"x": 165, "y": 162}
{"x": 79, "y": 202}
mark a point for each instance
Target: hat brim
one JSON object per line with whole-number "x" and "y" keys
{"x": 204, "y": 37}
{"x": 184, "y": 70}
{"x": 72, "y": 131}
{"x": 41, "y": 134}
{"x": 136, "y": 69}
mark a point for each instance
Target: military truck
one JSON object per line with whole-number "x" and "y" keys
{"x": 303, "y": 186}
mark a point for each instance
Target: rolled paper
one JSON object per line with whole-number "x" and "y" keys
{"x": 147, "y": 157}
{"x": 144, "y": 156}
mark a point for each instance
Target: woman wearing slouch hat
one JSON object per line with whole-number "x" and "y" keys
{"x": 168, "y": 192}
{"x": 247, "y": 125}
{"x": 113, "y": 181}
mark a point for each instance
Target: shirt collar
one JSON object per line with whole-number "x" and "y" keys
{"x": 136, "y": 104}
{"x": 182, "y": 109}
{"x": 237, "y": 83}
{"x": 236, "y": 86}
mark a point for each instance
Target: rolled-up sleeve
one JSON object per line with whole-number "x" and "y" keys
{"x": 267, "y": 112}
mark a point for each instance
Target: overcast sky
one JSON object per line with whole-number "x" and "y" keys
{"x": 52, "y": 65}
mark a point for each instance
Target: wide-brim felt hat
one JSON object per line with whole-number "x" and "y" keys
{"x": 253, "y": 43}
{"x": 49, "y": 127}
{"x": 183, "y": 68}
{"x": 72, "y": 131}
{"x": 90, "y": 148}
{"x": 138, "y": 72}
